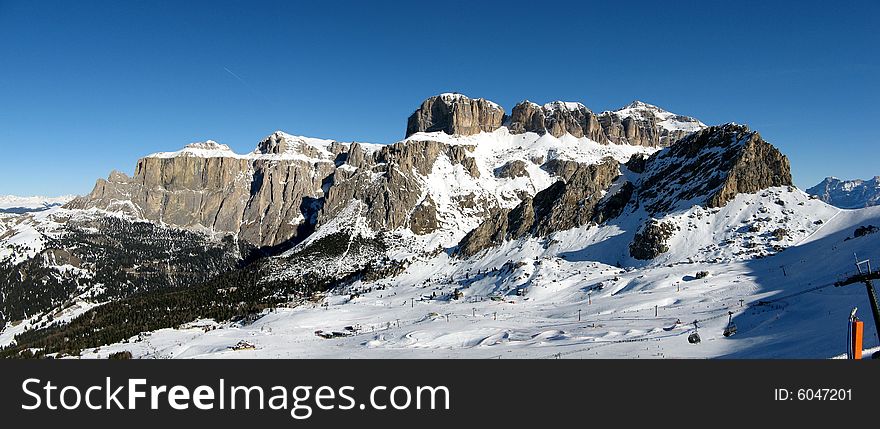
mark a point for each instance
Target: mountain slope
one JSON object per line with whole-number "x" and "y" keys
{"x": 526, "y": 299}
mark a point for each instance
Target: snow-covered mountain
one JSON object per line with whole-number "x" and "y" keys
{"x": 477, "y": 235}
{"x": 17, "y": 205}
{"x": 848, "y": 194}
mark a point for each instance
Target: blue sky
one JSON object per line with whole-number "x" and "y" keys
{"x": 87, "y": 87}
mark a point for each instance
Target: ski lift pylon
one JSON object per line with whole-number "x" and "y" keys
{"x": 694, "y": 338}
{"x": 730, "y": 329}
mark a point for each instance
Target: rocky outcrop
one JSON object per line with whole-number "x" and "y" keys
{"x": 643, "y": 124}
{"x": 566, "y": 204}
{"x": 614, "y": 202}
{"x": 512, "y": 169}
{"x": 266, "y": 198}
{"x": 650, "y": 241}
{"x": 423, "y": 219}
{"x": 710, "y": 168}
{"x": 455, "y": 114}
{"x": 556, "y": 118}
{"x": 864, "y": 230}
{"x": 638, "y": 124}
{"x": 636, "y": 163}
{"x": 284, "y": 190}
{"x": 388, "y": 182}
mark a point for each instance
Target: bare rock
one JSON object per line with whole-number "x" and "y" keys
{"x": 638, "y": 124}
{"x": 511, "y": 169}
{"x": 566, "y": 204}
{"x": 643, "y": 124}
{"x": 711, "y": 167}
{"x": 386, "y": 183}
{"x": 265, "y": 198}
{"x": 556, "y": 118}
{"x": 423, "y": 219}
{"x": 455, "y": 114}
{"x": 650, "y": 241}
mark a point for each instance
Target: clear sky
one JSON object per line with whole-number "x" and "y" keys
{"x": 87, "y": 87}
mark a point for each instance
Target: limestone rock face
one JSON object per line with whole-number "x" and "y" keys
{"x": 636, "y": 163}
{"x": 423, "y": 219}
{"x": 711, "y": 167}
{"x": 386, "y": 182}
{"x": 290, "y": 188}
{"x": 455, "y": 114}
{"x": 566, "y": 204}
{"x": 642, "y": 124}
{"x": 556, "y": 118}
{"x": 265, "y": 198}
{"x": 511, "y": 169}
{"x": 614, "y": 203}
{"x": 638, "y": 124}
{"x": 285, "y": 189}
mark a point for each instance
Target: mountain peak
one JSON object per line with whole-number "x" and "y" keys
{"x": 638, "y": 104}
{"x": 275, "y": 143}
{"x": 848, "y": 194}
{"x": 281, "y": 143}
{"x": 455, "y": 114}
{"x": 567, "y": 105}
{"x": 719, "y": 163}
{"x": 204, "y": 149}
{"x": 207, "y": 145}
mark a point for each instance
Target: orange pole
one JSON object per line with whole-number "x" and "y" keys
{"x": 858, "y": 330}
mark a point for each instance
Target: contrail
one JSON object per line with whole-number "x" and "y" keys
{"x": 236, "y": 76}
{"x": 251, "y": 89}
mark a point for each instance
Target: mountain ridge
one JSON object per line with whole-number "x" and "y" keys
{"x": 848, "y": 194}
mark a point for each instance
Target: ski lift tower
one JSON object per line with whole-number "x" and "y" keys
{"x": 866, "y": 276}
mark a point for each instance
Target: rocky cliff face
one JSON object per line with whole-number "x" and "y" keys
{"x": 390, "y": 183}
{"x": 642, "y": 124}
{"x": 285, "y": 189}
{"x": 566, "y": 204}
{"x": 291, "y": 187}
{"x": 355, "y": 216}
{"x": 848, "y": 194}
{"x": 556, "y": 118}
{"x": 455, "y": 114}
{"x": 638, "y": 124}
{"x": 265, "y": 197}
{"x": 711, "y": 167}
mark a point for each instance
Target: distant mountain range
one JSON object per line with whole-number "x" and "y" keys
{"x": 848, "y": 194}
{"x": 18, "y": 205}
